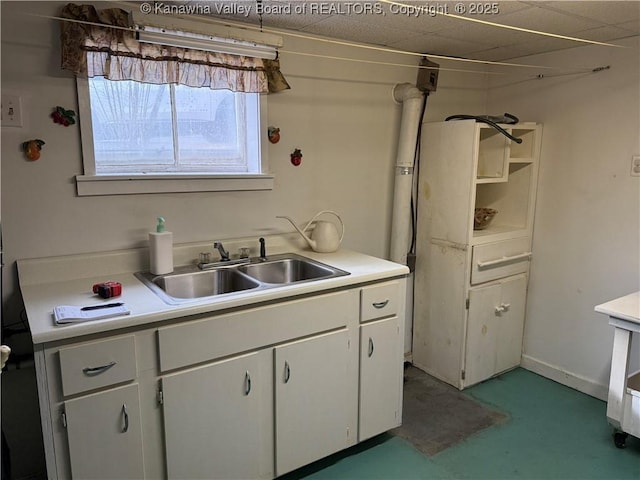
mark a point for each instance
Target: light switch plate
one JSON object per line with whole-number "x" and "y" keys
{"x": 635, "y": 166}
{"x": 11, "y": 110}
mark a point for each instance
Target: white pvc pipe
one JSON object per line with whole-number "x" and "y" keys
{"x": 411, "y": 99}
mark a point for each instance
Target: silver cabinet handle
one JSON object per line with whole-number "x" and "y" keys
{"x": 287, "y": 372}
{"x": 125, "y": 418}
{"x": 380, "y": 304}
{"x": 247, "y": 383}
{"x": 370, "y": 346}
{"x": 91, "y": 371}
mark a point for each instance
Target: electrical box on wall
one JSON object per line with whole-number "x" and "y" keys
{"x": 11, "y": 110}
{"x": 427, "y": 76}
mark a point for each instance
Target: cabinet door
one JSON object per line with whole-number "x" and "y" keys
{"x": 311, "y": 399}
{"x": 214, "y": 418}
{"x": 495, "y": 327}
{"x": 381, "y": 371}
{"x": 105, "y": 435}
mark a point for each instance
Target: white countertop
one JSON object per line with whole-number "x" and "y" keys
{"x": 49, "y": 282}
{"x": 625, "y": 308}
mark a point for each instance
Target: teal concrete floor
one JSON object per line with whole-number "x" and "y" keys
{"x": 552, "y": 432}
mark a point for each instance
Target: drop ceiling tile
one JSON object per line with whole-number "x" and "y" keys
{"x": 543, "y": 19}
{"x": 273, "y": 16}
{"x": 542, "y": 45}
{"x": 434, "y": 18}
{"x": 487, "y": 35}
{"x": 344, "y": 27}
{"x": 414, "y": 23}
{"x": 436, "y": 45}
{"x": 500, "y": 54}
{"x": 609, "y": 12}
{"x": 605, "y": 34}
{"x": 633, "y": 26}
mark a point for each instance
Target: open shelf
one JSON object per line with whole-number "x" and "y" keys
{"x": 511, "y": 198}
{"x": 524, "y": 150}
{"x": 492, "y": 156}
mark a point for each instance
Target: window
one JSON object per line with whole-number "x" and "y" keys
{"x": 143, "y": 128}
{"x": 149, "y": 135}
{"x": 169, "y": 108}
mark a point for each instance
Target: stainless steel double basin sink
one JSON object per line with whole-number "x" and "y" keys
{"x": 188, "y": 284}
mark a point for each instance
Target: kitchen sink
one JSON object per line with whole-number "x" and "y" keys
{"x": 187, "y": 284}
{"x": 288, "y": 270}
{"x": 204, "y": 284}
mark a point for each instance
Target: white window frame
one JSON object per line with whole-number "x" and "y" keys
{"x": 90, "y": 184}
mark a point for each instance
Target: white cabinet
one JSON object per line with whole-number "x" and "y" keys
{"x": 380, "y": 370}
{"x": 99, "y": 405}
{"x": 495, "y": 327}
{"x": 249, "y": 393}
{"x": 215, "y": 418}
{"x": 311, "y": 399}
{"x": 105, "y": 435}
{"x": 463, "y": 273}
{"x": 381, "y": 359}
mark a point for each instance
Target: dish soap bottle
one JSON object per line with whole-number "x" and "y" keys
{"x": 160, "y": 250}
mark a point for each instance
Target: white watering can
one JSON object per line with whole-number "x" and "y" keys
{"x": 325, "y": 237}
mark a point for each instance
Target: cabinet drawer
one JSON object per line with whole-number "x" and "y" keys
{"x": 97, "y": 364}
{"x": 227, "y": 334}
{"x": 377, "y": 301}
{"x": 500, "y": 259}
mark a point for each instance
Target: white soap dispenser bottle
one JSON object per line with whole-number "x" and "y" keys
{"x": 160, "y": 250}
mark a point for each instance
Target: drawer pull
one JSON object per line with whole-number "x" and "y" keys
{"x": 504, "y": 260}
{"x": 125, "y": 418}
{"x": 92, "y": 371}
{"x": 370, "y": 347}
{"x": 287, "y": 372}
{"x": 247, "y": 383}
{"x": 380, "y": 304}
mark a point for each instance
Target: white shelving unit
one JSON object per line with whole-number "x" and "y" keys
{"x": 470, "y": 285}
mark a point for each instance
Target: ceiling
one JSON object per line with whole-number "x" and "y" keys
{"x": 436, "y": 34}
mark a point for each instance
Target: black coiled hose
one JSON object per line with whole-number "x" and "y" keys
{"x": 493, "y": 121}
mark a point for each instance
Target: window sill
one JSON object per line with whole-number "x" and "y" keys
{"x": 92, "y": 185}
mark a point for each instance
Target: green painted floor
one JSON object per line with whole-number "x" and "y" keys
{"x": 552, "y": 432}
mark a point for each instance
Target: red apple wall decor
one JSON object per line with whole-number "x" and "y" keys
{"x": 296, "y": 157}
{"x": 273, "y": 133}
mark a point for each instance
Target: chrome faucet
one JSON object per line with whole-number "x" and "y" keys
{"x": 224, "y": 255}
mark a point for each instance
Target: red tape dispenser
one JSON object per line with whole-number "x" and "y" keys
{"x": 108, "y": 289}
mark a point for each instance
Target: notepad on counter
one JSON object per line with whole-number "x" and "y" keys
{"x": 64, "y": 314}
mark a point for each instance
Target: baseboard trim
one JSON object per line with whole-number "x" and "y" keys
{"x": 563, "y": 377}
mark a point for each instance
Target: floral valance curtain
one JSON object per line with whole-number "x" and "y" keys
{"x": 98, "y": 43}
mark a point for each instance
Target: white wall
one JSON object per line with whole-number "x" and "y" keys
{"x": 587, "y": 224}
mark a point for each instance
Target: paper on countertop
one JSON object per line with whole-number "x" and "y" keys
{"x": 64, "y": 314}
